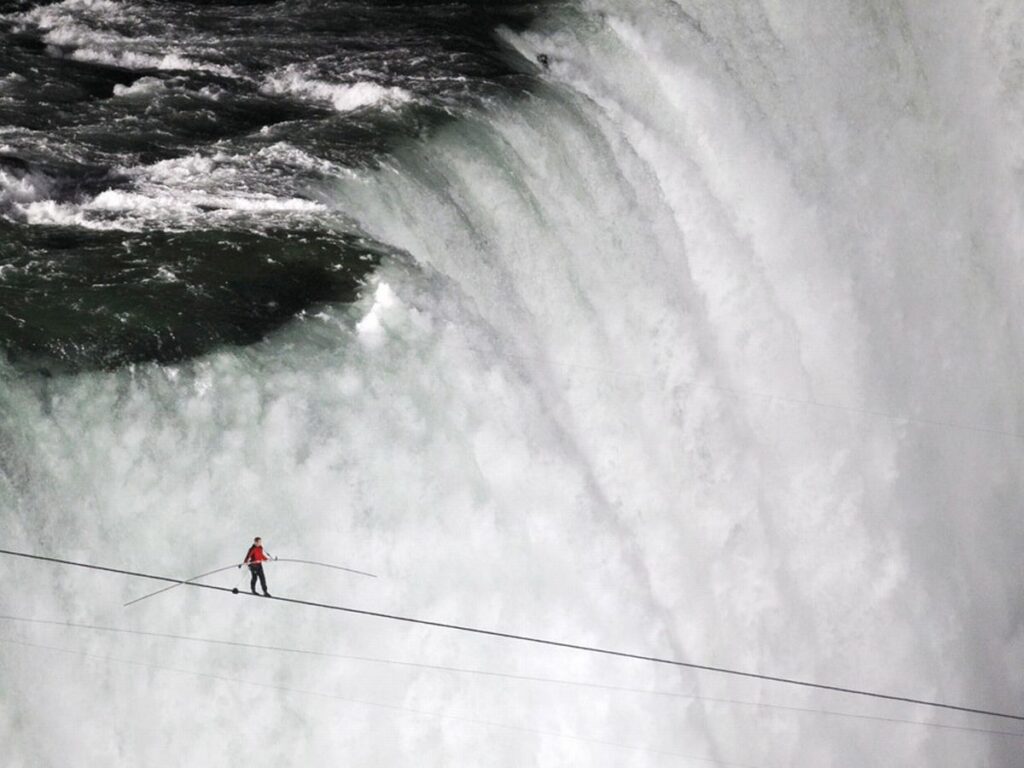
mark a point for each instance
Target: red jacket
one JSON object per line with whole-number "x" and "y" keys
{"x": 255, "y": 555}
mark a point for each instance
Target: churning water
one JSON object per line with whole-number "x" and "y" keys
{"x": 688, "y": 329}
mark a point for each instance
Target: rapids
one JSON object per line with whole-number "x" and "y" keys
{"x": 708, "y": 346}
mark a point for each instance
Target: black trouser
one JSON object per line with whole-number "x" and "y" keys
{"x": 257, "y": 572}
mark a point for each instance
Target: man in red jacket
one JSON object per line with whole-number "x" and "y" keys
{"x": 255, "y": 558}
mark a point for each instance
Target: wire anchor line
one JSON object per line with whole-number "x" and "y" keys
{"x": 510, "y": 675}
{"x": 239, "y": 565}
{"x": 375, "y": 704}
{"x": 540, "y": 640}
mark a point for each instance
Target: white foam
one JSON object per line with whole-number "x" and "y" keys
{"x": 109, "y": 9}
{"x": 70, "y": 34}
{"x": 344, "y": 97}
{"x": 165, "y": 275}
{"x": 138, "y": 60}
{"x": 13, "y": 78}
{"x": 50, "y": 212}
{"x": 137, "y": 211}
{"x": 53, "y": 15}
{"x": 283, "y": 153}
{"x": 144, "y": 86}
{"x": 191, "y": 170}
{"x": 225, "y": 180}
{"x": 372, "y": 328}
{"x": 23, "y": 188}
{"x": 195, "y": 190}
{"x": 78, "y": 26}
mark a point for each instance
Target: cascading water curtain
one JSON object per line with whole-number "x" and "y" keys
{"x": 702, "y": 340}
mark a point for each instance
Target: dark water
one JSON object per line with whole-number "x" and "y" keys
{"x": 162, "y": 163}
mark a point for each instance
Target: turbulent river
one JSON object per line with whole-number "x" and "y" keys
{"x": 688, "y": 329}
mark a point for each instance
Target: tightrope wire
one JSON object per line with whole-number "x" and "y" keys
{"x": 538, "y": 640}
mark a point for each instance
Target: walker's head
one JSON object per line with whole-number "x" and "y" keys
{"x": 257, "y": 540}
